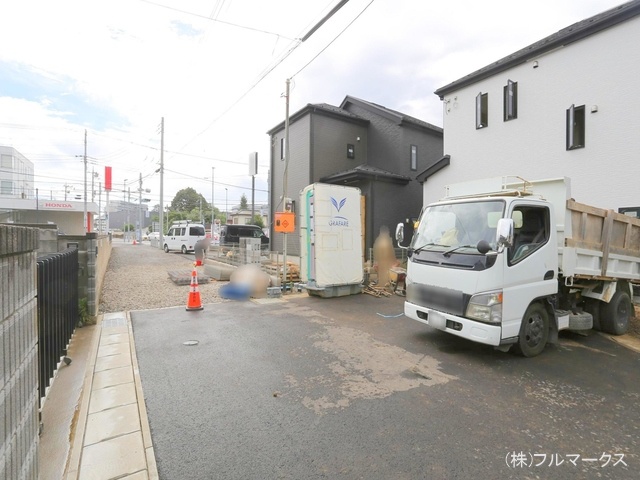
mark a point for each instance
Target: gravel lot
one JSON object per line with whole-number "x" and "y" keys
{"x": 137, "y": 279}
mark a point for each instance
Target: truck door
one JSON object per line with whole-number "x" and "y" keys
{"x": 531, "y": 264}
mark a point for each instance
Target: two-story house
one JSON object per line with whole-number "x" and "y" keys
{"x": 358, "y": 144}
{"x": 567, "y": 105}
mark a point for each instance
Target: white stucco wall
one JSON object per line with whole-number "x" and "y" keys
{"x": 601, "y": 70}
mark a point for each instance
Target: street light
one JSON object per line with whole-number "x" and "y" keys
{"x": 213, "y": 212}
{"x": 125, "y": 205}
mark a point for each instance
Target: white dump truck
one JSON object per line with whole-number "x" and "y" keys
{"x": 507, "y": 262}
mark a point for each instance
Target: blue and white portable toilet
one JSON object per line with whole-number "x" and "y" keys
{"x": 331, "y": 244}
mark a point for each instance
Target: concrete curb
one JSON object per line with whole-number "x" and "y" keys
{"x": 112, "y": 437}
{"x": 152, "y": 468}
{"x": 73, "y": 462}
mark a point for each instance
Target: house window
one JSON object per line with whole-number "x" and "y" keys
{"x": 510, "y": 100}
{"x": 414, "y": 157}
{"x": 6, "y": 161}
{"x": 351, "y": 151}
{"x": 282, "y": 148}
{"x": 482, "y": 110}
{"x": 575, "y": 127}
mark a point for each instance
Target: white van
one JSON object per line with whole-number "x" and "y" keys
{"x": 183, "y": 236}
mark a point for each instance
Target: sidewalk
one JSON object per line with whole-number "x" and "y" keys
{"x": 112, "y": 438}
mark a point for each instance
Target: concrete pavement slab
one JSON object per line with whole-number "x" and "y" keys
{"x": 110, "y": 378}
{"x": 112, "y": 423}
{"x": 112, "y": 438}
{"x": 113, "y": 458}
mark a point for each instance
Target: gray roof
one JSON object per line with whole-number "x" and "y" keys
{"x": 564, "y": 37}
{"x": 434, "y": 168}
{"x": 322, "y": 108}
{"x": 394, "y": 115}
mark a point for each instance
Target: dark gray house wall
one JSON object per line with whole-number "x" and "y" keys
{"x": 391, "y": 135}
{"x": 329, "y": 141}
{"x": 297, "y": 176}
{"x": 319, "y": 136}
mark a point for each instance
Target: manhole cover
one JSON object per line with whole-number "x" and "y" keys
{"x": 191, "y": 343}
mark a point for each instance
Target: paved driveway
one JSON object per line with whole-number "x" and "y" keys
{"x": 347, "y": 388}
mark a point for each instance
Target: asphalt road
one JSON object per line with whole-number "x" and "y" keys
{"x": 346, "y": 388}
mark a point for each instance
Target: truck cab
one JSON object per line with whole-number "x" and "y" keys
{"x": 485, "y": 263}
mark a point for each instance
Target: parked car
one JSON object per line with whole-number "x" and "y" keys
{"x": 230, "y": 235}
{"x": 183, "y": 236}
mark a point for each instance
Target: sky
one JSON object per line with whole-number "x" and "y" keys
{"x": 216, "y": 70}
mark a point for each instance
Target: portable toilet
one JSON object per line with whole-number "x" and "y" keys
{"x": 331, "y": 250}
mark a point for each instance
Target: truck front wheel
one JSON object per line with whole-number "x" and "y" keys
{"x": 615, "y": 315}
{"x": 534, "y": 331}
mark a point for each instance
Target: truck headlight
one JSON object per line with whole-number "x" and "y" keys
{"x": 486, "y": 307}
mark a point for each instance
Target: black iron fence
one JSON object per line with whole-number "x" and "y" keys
{"x": 57, "y": 310}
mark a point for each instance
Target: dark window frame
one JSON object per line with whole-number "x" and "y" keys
{"x": 510, "y": 101}
{"x": 413, "y": 157}
{"x": 351, "y": 151}
{"x": 575, "y": 124}
{"x": 482, "y": 110}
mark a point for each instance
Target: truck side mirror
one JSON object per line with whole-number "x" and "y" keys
{"x": 400, "y": 234}
{"x": 504, "y": 234}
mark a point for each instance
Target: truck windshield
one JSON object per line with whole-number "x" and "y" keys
{"x": 460, "y": 225}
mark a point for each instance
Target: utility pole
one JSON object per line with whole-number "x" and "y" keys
{"x": 140, "y": 209}
{"x": 85, "y": 182}
{"x": 161, "y": 237}
{"x": 213, "y": 212}
{"x": 128, "y": 212}
{"x": 285, "y": 179}
{"x": 93, "y": 191}
{"x": 100, "y": 208}
{"x": 253, "y": 170}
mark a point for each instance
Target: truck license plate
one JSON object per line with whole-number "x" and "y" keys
{"x": 437, "y": 321}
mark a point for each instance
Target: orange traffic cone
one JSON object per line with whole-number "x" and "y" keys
{"x": 194, "y": 301}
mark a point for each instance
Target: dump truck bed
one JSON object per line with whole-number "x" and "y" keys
{"x": 599, "y": 244}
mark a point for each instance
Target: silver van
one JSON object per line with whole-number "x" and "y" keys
{"x": 183, "y": 236}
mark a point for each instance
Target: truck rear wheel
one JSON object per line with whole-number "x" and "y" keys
{"x": 534, "y": 331}
{"x": 615, "y": 315}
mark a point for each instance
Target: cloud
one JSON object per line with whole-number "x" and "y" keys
{"x": 117, "y": 67}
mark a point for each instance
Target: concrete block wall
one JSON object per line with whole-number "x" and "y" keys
{"x": 94, "y": 252}
{"x": 19, "y": 420}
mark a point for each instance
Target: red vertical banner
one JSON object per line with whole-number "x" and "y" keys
{"x": 107, "y": 179}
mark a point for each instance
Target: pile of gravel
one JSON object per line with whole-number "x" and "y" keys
{"x": 137, "y": 279}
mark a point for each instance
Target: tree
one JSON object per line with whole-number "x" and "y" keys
{"x": 243, "y": 202}
{"x": 187, "y": 199}
{"x": 257, "y": 220}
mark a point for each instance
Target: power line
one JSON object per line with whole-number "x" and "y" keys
{"x": 217, "y": 20}
{"x": 277, "y": 62}
{"x": 334, "y": 39}
{"x": 217, "y": 183}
